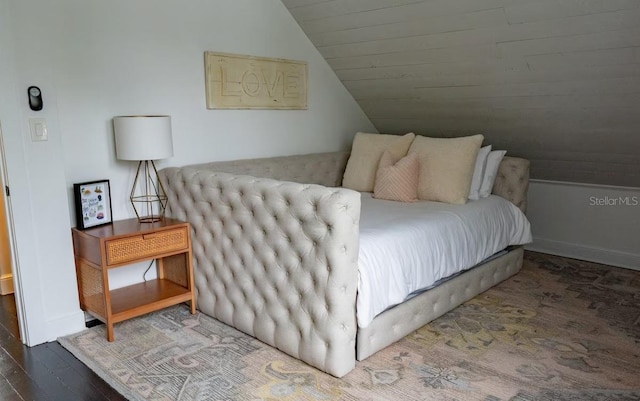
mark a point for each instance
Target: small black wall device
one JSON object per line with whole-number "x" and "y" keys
{"x": 35, "y": 98}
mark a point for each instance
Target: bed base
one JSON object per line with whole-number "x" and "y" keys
{"x": 395, "y": 323}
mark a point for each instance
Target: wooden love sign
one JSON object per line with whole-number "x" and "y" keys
{"x": 246, "y": 82}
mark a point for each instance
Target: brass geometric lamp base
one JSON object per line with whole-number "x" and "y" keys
{"x": 147, "y": 194}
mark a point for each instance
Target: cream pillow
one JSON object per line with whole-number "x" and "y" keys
{"x": 399, "y": 181}
{"x": 366, "y": 152}
{"x": 478, "y": 172}
{"x": 446, "y": 167}
{"x": 491, "y": 171}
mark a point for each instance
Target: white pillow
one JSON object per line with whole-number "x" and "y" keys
{"x": 478, "y": 172}
{"x": 490, "y": 172}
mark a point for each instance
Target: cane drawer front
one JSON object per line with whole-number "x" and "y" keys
{"x": 142, "y": 246}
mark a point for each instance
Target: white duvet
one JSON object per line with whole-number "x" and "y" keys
{"x": 405, "y": 247}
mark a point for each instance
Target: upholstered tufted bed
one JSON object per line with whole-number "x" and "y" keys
{"x": 277, "y": 256}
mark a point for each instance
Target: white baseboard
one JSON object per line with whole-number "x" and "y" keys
{"x": 592, "y": 254}
{"x": 64, "y": 325}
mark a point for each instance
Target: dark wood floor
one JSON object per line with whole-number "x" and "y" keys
{"x": 43, "y": 372}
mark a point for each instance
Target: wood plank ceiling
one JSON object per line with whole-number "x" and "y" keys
{"x": 555, "y": 81}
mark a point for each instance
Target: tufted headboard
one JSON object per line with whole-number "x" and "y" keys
{"x": 317, "y": 168}
{"x": 512, "y": 181}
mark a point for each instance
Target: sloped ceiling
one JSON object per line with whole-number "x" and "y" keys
{"x": 555, "y": 81}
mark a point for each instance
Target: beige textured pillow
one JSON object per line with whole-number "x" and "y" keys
{"x": 399, "y": 181}
{"x": 366, "y": 152}
{"x": 446, "y": 167}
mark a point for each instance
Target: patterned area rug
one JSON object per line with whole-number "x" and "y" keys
{"x": 561, "y": 329}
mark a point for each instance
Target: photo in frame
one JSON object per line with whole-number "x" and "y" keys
{"x": 93, "y": 204}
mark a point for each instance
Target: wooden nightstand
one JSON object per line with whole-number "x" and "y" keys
{"x": 128, "y": 241}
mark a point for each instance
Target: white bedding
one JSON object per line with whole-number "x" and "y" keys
{"x": 405, "y": 247}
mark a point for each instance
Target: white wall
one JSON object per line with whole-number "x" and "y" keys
{"x": 96, "y": 60}
{"x": 20, "y": 202}
{"x": 589, "y": 222}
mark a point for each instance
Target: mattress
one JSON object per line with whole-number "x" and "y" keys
{"x": 407, "y": 247}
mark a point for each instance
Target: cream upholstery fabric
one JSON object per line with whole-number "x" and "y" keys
{"x": 264, "y": 249}
{"x": 317, "y": 168}
{"x": 395, "y": 323}
{"x": 512, "y": 181}
{"x": 446, "y": 167}
{"x": 276, "y": 260}
{"x": 360, "y": 173}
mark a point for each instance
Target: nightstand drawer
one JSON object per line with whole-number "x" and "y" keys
{"x": 146, "y": 245}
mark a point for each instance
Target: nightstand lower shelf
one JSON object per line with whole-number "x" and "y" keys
{"x": 149, "y": 296}
{"x": 138, "y": 299}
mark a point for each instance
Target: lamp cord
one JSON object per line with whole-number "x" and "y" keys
{"x": 145, "y": 272}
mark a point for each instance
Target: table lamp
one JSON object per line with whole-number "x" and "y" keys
{"x": 145, "y": 139}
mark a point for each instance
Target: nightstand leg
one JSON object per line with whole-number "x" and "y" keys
{"x": 160, "y": 267}
{"x": 110, "y": 332}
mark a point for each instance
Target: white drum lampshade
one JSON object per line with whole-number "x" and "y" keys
{"x": 145, "y": 139}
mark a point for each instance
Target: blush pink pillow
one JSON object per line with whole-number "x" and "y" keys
{"x": 399, "y": 181}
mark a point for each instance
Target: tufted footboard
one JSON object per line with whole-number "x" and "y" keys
{"x": 276, "y": 260}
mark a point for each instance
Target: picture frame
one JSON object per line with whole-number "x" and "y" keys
{"x": 93, "y": 204}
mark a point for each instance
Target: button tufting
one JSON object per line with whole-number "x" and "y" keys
{"x": 245, "y": 230}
